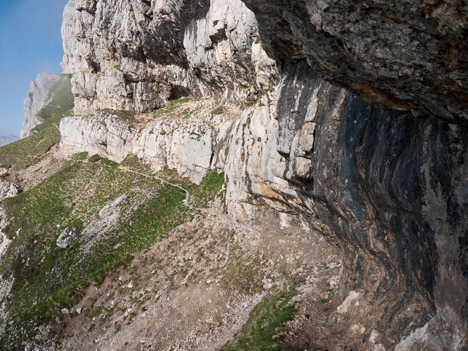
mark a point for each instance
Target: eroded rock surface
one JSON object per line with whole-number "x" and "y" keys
{"x": 368, "y": 179}
{"x": 391, "y": 189}
{"x": 190, "y": 139}
{"x": 191, "y": 145}
{"x": 104, "y": 134}
{"x": 7, "y": 190}
{"x": 41, "y": 93}
{"x": 400, "y": 54}
{"x": 135, "y": 55}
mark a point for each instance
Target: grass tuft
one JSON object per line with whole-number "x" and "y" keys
{"x": 266, "y": 320}
{"x": 218, "y": 110}
{"x": 172, "y": 105}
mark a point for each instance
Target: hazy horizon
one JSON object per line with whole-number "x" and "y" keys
{"x": 30, "y": 44}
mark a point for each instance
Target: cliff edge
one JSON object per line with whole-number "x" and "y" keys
{"x": 338, "y": 124}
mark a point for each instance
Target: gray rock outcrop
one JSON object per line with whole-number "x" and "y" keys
{"x": 388, "y": 188}
{"x": 7, "y": 190}
{"x": 192, "y": 144}
{"x": 401, "y": 54}
{"x": 104, "y": 134}
{"x": 69, "y": 39}
{"x": 375, "y": 181}
{"x": 367, "y": 178}
{"x": 41, "y": 93}
{"x": 136, "y": 55}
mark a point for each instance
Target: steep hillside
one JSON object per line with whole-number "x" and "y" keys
{"x": 81, "y": 223}
{"x": 211, "y": 191}
{"x": 96, "y": 251}
{"x": 49, "y": 99}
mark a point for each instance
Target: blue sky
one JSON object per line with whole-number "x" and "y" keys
{"x": 30, "y": 43}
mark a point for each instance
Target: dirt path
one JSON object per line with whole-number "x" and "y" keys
{"x": 187, "y": 193}
{"x": 162, "y": 180}
{"x": 195, "y": 288}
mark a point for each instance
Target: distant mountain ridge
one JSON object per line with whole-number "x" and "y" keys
{"x": 7, "y": 139}
{"x": 48, "y": 93}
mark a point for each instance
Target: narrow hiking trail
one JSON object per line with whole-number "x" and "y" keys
{"x": 187, "y": 193}
{"x": 162, "y": 180}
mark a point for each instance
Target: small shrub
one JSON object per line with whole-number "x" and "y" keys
{"x": 218, "y": 110}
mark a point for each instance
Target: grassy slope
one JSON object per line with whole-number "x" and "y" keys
{"x": 27, "y": 151}
{"x": 266, "y": 320}
{"x": 61, "y": 105}
{"x": 48, "y": 278}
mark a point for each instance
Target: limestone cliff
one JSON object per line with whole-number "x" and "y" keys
{"x": 193, "y": 142}
{"x": 374, "y": 158}
{"x": 401, "y": 54}
{"x": 388, "y": 188}
{"x": 43, "y": 91}
{"x": 136, "y": 55}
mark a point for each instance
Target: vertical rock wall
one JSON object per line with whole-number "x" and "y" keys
{"x": 136, "y": 55}
{"x": 390, "y": 189}
{"x": 191, "y": 140}
{"x": 401, "y": 54}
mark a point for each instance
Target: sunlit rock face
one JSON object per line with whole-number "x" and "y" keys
{"x": 374, "y": 156}
{"x": 191, "y": 144}
{"x": 400, "y": 54}
{"x": 135, "y": 55}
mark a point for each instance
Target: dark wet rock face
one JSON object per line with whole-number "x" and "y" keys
{"x": 400, "y": 54}
{"x": 392, "y": 190}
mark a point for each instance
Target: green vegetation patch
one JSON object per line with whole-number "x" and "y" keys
{"x": 208, "y": 189}
{"x": 218, "y": 110}
{"x": 266, "y": 320}
{"x": 173, "y": 105}
{"x": 103, "y": 214}
{"x": 60, "y": 106}
{"x": 244, "y": 273}
{"x": 26, "y": 152}
{"x": 132, "y": 162}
